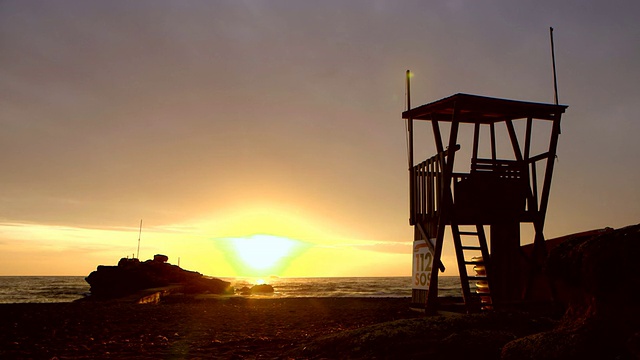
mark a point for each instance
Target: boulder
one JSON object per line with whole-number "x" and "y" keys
{"x": 256, "y": 289}
{"x": 262, "y": 289}
{"x": 595, "y": 280}
{"x": 245, "y": 290}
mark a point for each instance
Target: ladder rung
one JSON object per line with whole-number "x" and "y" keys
{"x": 477, "y": 278}
{"x": 471, "y": 248}
{"x": 468, "y": 233}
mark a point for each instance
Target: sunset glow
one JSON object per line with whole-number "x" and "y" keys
{"x": 262, "y": 252}
{"x": 265, "y": 138}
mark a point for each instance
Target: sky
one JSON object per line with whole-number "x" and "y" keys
{"x": 259, "y": 138}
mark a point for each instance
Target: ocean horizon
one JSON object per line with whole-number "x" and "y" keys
{"x": 54, "y": 289}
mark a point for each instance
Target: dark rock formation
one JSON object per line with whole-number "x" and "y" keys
{"x": 131, "y": 276}
{"x": 256, "y": 289}
{"x": 262, "y": 289}
{"x": 245, "y": 290}
{"x": 595, "y": 277}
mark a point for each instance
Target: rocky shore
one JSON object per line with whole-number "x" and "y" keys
{"x": 594, "y": 276}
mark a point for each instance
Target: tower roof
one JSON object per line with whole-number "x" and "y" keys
{"x": 482, "y": 109}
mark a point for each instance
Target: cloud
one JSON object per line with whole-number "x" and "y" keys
{"x": 387, "y": 247}
{"x": 171, "y": 111}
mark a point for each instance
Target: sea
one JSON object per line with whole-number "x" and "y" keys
{"x": 51, "y": 289}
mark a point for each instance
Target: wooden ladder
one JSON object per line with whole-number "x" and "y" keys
{"x": 481, "y": 298}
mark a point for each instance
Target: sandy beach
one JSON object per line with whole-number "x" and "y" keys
{"x": 294, "y": 328}
{"x": 232, "y": 328}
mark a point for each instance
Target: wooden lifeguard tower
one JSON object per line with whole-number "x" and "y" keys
{"x": 498, "y": 193}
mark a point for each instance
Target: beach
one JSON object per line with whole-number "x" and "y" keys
{"x": 186, "y": 327}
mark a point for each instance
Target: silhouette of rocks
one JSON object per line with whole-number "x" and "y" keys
{"x": 262, "y": 289}
{"x": 595, "y": 279}
{"x": 245, "y": 290}
{"x": 256, "y": 289}
{"x": 131, "y": 276}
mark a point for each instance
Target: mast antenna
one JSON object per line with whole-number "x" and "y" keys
{"x": 408, "y": 89}
{"x": 553, "y": 60}
{"x": 139, "y": 235}
{"x": 409, "y": 122}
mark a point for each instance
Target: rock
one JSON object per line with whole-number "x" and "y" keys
{"x": 256, "y": 289}
{"x": 245, "y": 290}
{"x": 131, "y": 276}
{"x": 594, "y": 277}
{"x": 262, "y": 289}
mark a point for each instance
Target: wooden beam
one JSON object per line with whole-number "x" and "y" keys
{"x": 546, "y": 186}
{"x": 534, "y": 184}
{"x": 412, "y": 177}
{"x": 527, "y": 139}
{"x": 476, "y": 140}
{"x": 492, "y": 129}
{"x": 514, "y": 140}
{"x": 486, "y": 257}
{"x": 473, "y": 108}
{"x": 430, "y": 187}
{"x": 539, "y": 248}
{"x": 444, "y": 209}
{"x": 538, "y": 157}
{"x": 505, "y": 261}
{"x": 532, "y": 192}
{"x": 439, "y": 265}
{"x": 424, "y": 187}
{"x": 476, "y": 117}
{"x": 412, "y": 174}
{"x": 437, "y": 136}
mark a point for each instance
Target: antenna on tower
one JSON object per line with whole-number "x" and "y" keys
{"x": 553, "y": 60}
{"x": 139, "y": 235}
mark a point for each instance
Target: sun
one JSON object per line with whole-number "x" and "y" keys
{"x": 263, "y": 253}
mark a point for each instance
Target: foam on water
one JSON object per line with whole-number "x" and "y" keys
{"x": 348, "y": 286}
{"x": 41, "y": 289}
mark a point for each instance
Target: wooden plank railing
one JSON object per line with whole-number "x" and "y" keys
{"x": 428, "y": 181}
{"x": 513, "y": 169}
{"x": 428, "y": 186}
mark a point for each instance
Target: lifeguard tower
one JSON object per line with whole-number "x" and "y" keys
{"x": 495, "y": 192}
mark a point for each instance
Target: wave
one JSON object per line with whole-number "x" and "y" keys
{"x": 43, "y": 289}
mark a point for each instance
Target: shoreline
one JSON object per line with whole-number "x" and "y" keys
{"x": 68, "y": 289}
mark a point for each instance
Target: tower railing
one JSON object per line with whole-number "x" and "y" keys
{"x": 428, "y": 187}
